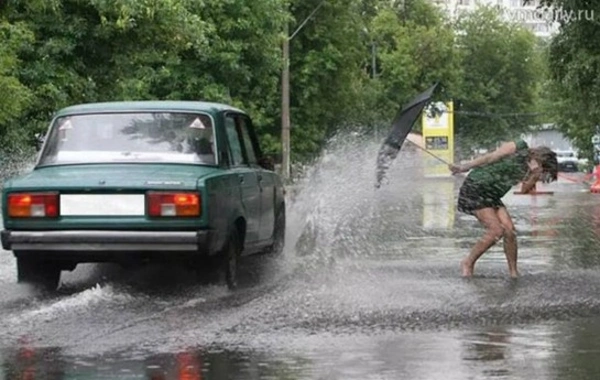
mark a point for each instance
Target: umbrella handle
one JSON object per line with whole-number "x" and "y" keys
{"x": 428, "y": 152}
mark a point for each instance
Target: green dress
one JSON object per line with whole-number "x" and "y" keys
{"x": 486, "y": 185}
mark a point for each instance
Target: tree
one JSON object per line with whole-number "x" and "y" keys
{"x": 54, "y": 53}
{"x": 501, "y": 66}
{"x": 326, "y": 65}
{"x": 416, "y": 49}
{"x": 98, "y": 50}
{"x": 19, "y": 96}
{"x": 574, "y": 65}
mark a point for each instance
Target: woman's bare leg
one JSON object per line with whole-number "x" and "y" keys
{"x": 493, "y": 232}
{"x": 510, "y": 240}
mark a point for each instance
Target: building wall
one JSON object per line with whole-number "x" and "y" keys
{"x": 550, "y": 138}
{"x": 518, "y": 11}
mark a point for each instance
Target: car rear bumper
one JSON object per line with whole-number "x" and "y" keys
{"x": 98, "y": 240}
{"x": 568, "y": 166}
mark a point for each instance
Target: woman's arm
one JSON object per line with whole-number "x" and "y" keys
{"x": 533, "y": 175}
{"x": 529, "y": 182}
{"x": 504, "y": 150}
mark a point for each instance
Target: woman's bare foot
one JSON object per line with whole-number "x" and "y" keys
{"x": 514, "y": 274}
{"x": 467, "y": 268}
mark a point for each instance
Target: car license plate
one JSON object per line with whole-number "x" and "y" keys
{"x": 102, "y": 204}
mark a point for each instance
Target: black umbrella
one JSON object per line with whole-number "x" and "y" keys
{"x": 401, "y": 127}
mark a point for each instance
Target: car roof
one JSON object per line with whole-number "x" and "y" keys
{"x": 147, "y": 105}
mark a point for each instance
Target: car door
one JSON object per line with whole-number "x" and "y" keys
{"x": 266, "y": 179}
{"x": 245, "y": 177}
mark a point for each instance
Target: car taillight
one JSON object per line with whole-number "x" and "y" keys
{"x": 33, "y": 205}
{"x": 173, "y": 204}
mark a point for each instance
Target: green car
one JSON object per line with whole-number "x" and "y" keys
{"x": 128, "y": 182}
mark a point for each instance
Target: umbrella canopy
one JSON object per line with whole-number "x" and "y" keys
{"x": 401, "y": 127}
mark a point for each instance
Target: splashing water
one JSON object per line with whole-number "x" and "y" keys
{"x": 337, "y": 211}
{"x": 16, "y": 163}
{"x": 88, "y": 298}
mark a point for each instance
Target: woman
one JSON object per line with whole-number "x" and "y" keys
{"x": 493, "y": 175}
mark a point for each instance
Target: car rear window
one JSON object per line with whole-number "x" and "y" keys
{"x": 167, "y": 137}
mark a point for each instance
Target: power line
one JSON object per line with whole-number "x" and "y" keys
{"x": 513, "y": 114}
{"x": 488, "y": 114}
{"x": 436, "y": 109}
{"x": 307, "y": 19}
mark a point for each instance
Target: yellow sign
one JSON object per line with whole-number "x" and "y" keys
{"x": 438, "y": 137}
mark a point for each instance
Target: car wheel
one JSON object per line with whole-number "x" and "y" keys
{"x": 278, "y": 233}
{"x": 230, "y": 259}
{"x": 41, "y": 273}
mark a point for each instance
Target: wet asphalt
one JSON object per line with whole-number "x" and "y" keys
{"x": 369, "y": 288}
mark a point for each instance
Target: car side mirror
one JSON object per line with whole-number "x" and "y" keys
{"x": 267, "y": 163}
{"x": 38, "y": 141}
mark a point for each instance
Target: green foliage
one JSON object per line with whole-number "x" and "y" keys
{"x": 56, "y": 53}
{"x": 416, "y": 49}
{"x": 502, "y": 75}
{"x": 326, "y": 59}
{"x": 574, "y": 65}
{"x": 17, "y": 96}
{"x": 99, "y": 50}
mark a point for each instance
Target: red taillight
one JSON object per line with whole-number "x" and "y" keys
{"x": 173, "y": 204}
{"x": 33, "y": 205}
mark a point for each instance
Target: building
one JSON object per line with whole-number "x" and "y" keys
{"x": 551, "y": 138}
{"x": 542, "y": 22}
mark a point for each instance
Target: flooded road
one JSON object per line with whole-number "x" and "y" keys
{"x": 369, "y": 288}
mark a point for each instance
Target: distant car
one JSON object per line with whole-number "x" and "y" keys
{"x": 127, "y": 182}
{"x": 567, "y": 161}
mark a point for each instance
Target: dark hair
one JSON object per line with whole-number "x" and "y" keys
{"x": 547, "y": 158}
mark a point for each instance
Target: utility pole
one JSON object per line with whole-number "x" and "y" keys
{"x": 285, "y": 93}
{"x": 373, "y": 59}
{"x": 285, "y": 105}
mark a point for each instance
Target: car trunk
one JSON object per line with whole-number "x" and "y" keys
{"x": 110, "y": 196}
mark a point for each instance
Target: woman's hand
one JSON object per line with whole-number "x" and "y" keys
{"x": 455, "y": 169}
{"x": 529, "y": 181}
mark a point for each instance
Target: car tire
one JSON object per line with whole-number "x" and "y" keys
{"x": 44, "y": 274}
{"x": 229, "y": 259}
{"x": 276, "y": 248}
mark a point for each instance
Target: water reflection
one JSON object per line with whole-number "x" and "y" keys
{"x": 488, "y": 352}
{"x": 580, "y": 343}
{"x": 439, "y": 206}
{"x": 492, "y": 347}
{"x": 565, "y": 351}
{"x": 578, "y": 217}
{"x": 181, "y": 366}
{"x": 28, "y": 363}
{"x": 25, "y": 362}
{"x": 540, "y": 225}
